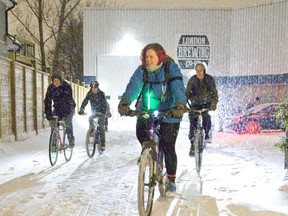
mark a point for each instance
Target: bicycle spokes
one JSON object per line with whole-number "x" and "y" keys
{"x": 53, "y": 147}
{"x": 90, "y": 143}
{"x": 67, "y": 149}
{"x": 146, "y": 183}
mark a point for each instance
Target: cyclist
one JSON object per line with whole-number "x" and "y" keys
{"x": 201, "y": 92}
{"x": 98, "y": 108}
{"x": 155, "y": 91}
{"x": 60, "y": 92}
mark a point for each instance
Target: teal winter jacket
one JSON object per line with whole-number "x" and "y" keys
{"x": 152, "y": 91}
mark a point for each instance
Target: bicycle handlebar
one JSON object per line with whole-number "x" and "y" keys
{"x": 198, "y": 111}
{"x": 93, "y": 114}
{"x": 160, "y": 114}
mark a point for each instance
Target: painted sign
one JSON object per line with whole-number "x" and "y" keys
{"x": 192, "y": 49}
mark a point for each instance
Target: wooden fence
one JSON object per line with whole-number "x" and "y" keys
{"x": 22, "y": 92}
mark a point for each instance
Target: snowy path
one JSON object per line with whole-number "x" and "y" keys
{"x": 241, "y": 175}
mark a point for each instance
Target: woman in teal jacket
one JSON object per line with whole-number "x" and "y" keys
{"x": 157, "y": 84}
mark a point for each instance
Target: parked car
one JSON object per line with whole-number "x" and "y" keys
{"x": 255, "y": 119}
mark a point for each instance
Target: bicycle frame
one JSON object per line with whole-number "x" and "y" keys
{"x": 151, "y": 166}
{"x": 57, "y": 142}
{"x": 92, "y": 142}
{"x": 59, "y": 126}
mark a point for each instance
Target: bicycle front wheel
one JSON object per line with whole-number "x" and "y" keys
{"x": 90, "y": 143}
{"x": 53, "y": 147}
{"x": 97, "y": 141}
{"x": 146, "y": 183}
{"x": 199, "y": 145}
{"x": 68, "y": 151}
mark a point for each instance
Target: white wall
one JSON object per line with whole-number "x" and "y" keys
{"x": 259, "y": 37}
{"x": 104, "y": 28}
{"x": 243, "y": 41}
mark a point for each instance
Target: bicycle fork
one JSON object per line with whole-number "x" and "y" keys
{"x": 201, "y": 133}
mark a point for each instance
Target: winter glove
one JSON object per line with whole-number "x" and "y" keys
{"x": 123, "y": 107}
{"x": 213, "y": 107}
{"x": 81, "y": 112}
{"x": 49, "y": 117}
{"x": 179, "y": 110}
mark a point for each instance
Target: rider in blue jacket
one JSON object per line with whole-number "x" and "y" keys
{"x": 157, "y": 84}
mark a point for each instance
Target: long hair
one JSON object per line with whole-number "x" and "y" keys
{"x": 160, "y": 52}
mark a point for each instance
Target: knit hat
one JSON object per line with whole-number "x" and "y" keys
{"x": 57, "y": 76}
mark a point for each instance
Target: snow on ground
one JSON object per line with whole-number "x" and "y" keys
{"x": 241, "y": 175}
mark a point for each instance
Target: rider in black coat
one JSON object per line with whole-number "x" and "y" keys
{"x": 99, "y": 107}
{"x": 60, "y": 92}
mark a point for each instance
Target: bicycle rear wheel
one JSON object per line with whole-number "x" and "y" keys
{"x": 53, "y": 147}
{"x": 90, "y": 144}
{"x": 146, "y": 183}
{"x": 68, "y": 151}
{"x": 199, "y": 145}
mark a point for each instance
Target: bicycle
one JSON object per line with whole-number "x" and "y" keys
{"x": 199, "y": 135}
{"x": 93, "y": 139}
{"x": 151, "y": 166}
{"x": 58, "y": 141}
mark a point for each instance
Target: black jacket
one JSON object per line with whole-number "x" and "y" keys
{"x": 97, "y": 101}
{"x": 202, "y": 92}
{"x": 63, "y": 102}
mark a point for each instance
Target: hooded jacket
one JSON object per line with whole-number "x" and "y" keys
{"x": 97, "y": 101}
{"x": 202, "y": 93}
{"x": 63, "y": 102}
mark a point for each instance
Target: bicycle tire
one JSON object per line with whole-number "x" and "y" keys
{"x": 146, "y": 183}
{"x": 199, "y": 141}
{"x": 162, "y": 176}
{"x": 286, "y": 161}
{"x": 53, "y": 147}
{"x": 97, "y": 141}
{"x": 68, "y": 151}
{"x": 90, "y": 144}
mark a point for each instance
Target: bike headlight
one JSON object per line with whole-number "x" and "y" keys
{"x": 155, "y": 113}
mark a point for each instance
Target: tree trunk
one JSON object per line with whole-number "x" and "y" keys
{"x": 41, "y": 36}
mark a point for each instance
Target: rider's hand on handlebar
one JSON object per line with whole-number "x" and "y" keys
{"x": 213, "y": 107}
{"x": 81, "y": 112}
{"x": 179, "y": 110}
{"x": 49, "y": 117}
{"x": 124, "y": 110}
{"x": 123, "y": 107}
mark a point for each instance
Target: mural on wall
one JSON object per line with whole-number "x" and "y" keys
{"x": 192, "y": 49}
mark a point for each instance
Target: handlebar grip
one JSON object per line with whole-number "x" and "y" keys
{"x": 132, "y": 113}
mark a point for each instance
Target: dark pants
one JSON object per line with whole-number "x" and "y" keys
{"x": 101, "y": 123}
{"x": 193, "y": 124}
{"x": 168, "y": 135}
{"x": 106, "y": 123}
